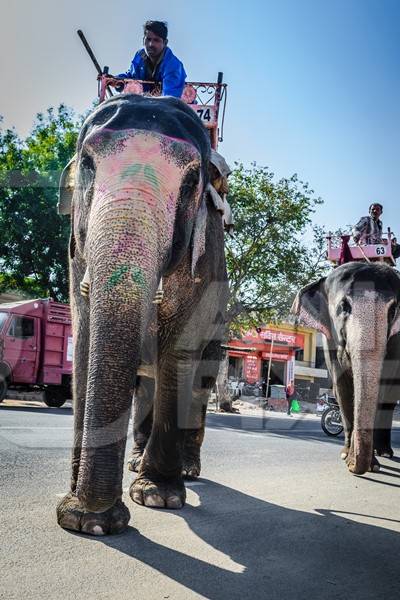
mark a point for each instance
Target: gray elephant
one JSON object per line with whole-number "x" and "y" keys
{"x": 357, "y": 308}
{"x": 138, "y": 215}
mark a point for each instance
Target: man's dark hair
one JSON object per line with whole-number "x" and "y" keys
{"x": 160, "y": 28}
{"x": 376, "y": 204}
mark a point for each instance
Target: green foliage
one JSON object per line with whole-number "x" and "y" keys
{"x": 29, "y": 289}
{"x": 268, "y": 259}
{"x": 316, "y": 264}
{"x": 33, "y": 237}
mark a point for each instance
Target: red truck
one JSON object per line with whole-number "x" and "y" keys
{"x": 36, "y": 349}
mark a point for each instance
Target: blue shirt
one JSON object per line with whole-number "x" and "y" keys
{"x": 169, "y": 72}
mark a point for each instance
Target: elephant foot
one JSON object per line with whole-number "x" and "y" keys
{"x": 344, "y": 452}
{"x": 383, "y": 442}
{"x": 135, "y": 459}
{"x": 72, "y": 515}
{"x": 375, "y": 467}
{"x": 385, "y": 452}
{"x": 191, "y": 467}
{"x": 158, "y": 494}
{"x": 359, "y": 467}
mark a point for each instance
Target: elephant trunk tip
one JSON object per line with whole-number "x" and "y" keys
{"x": 360, "y": 458}
{"x": 359, "y": 468}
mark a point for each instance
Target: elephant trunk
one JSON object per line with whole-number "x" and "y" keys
{"x": 124, "y": 271}
{"x": 367, "y": 346}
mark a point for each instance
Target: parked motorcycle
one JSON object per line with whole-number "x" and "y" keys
{"x": 331, "y": 419}
{"x": 253, "y": 389}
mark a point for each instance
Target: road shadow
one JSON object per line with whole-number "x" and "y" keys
{"x": 277, "y": 553}
{"x": 297, "y": 428}
{"x": 43, "y": 409}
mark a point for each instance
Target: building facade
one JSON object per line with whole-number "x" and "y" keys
{"x": 281, "y": 355}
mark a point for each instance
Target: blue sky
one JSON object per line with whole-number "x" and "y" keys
{"x": 314, "y": 85}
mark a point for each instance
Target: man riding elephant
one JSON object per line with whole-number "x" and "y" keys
{"x": 139, "y": 214}
{"x": 369, "y": 229}
{"x": 155, "y": 62}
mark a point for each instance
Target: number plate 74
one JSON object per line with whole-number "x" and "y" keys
{"x": 206, "y": 114}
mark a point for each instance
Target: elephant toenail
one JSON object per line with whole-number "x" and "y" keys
{"x": 92, "y": 530}
{"x": 174, "y": 502}
{"x": 136, "y": 497}
{"x": 97, "y": 530}
{"x": 154, "y": 501}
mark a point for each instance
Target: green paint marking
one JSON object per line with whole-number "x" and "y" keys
{"x": 138, "y": 277}
{"x": 151, "y": 176}
{"x": 131, "y": 171}
{"x": 116, "y": 277}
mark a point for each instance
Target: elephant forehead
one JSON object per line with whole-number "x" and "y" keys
{"x": 111, "y": 149}
{"x": 146, "y": 161}
{"x": 367, "y": 320}
{"x": 362, "y": 294}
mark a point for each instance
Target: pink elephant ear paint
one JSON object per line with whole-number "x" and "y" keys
{"x": 310, "y": 308}
{"x": 309, "y": 320}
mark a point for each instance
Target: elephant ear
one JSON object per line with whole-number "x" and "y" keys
{"x": 395, "y": 324}
{"x": 395, "y": 328}
{"x": 199, "y": 233}
{"x": 66, "y": 188}
{"x": 310, "y": 308}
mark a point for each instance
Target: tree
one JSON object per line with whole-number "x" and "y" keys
{"x": 268, "y": 259}
{"x": 33, "y": 237}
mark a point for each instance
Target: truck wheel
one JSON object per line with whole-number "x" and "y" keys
{"x": 55, "y": 397}
{"x": 3, "y": 388}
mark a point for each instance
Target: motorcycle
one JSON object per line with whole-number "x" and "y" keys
{"x": 253, "y": 389}
{"x": 331, "y": 419}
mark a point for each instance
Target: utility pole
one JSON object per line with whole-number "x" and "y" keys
{"x": 269, "y": 364}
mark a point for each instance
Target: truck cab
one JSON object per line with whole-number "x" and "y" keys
{"x": 36, "y": 349}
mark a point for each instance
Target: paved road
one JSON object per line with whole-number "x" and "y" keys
{"x": 275, "y": 516}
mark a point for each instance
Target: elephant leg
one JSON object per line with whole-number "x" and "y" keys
{"x": 389, "y": 394}
{"x": 344, "y": 392}
{"x": 383, "y": 430}
{"x": 193, "y": 438}
{"x": 80, "y": 321}
{"x": 70, "y": 512}
{"x": 159, "y": 483}
{"x": 142, "y": 419}
{"x": 204, "y": 381}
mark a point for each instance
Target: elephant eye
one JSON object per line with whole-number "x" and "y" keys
{"x": 344, "y": 308}
{"x": 87, "y": 162}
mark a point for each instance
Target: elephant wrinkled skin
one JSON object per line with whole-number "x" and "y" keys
{"x": 138, "y": 214}
{"x": 357, "y": 308}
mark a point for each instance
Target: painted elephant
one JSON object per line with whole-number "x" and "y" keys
{"x": 357, "y": 308}
{"x": 138, "y": 214}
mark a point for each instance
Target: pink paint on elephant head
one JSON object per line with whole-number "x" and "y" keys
{"x": 137, "y": 191}
{"x": 143, "y": 166}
